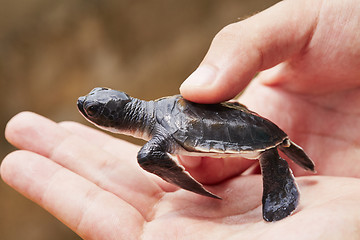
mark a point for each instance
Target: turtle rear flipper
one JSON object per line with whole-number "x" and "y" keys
{"x": 153, "y": 159}
{"x": 297, "y": 155}
{"x": 280, "y": 192}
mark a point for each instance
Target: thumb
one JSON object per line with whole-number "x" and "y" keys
{"x": 242, "y": 49}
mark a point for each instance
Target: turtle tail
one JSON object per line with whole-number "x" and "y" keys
{"x": 297, "y": 155}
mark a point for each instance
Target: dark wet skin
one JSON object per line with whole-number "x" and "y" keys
{"x": 174, "y": 125}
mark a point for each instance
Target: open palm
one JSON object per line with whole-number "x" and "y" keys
{"x": 91, "y": 182}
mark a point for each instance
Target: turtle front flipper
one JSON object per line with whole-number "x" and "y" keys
{"x": 154, "y": 159}
{"x": 280, "y": 192}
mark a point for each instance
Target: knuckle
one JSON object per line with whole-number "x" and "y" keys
{"x": 230, "y": 31}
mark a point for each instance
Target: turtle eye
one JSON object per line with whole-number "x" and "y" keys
{"x": 92, "y": 110}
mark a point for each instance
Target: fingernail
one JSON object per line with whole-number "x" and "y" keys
{"x": 203, "y": 75}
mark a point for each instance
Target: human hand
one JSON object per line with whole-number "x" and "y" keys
{"x": 311, "y": 88}
{"x": 91, "y": 182}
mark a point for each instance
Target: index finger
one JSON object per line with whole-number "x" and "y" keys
{"x": 35, "y": 133}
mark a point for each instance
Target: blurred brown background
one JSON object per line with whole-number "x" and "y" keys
{"x": 51, "y": 52}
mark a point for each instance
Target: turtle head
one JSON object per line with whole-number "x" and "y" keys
{"x": 104, "y": 107}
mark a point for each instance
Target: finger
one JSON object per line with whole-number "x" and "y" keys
{"x": 112, "y": 145}
{"x": 86, "y": 208}
{"x": 240, "y": 50}
{"x": 32, "y": 132}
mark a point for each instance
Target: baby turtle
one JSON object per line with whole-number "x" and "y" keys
{"x": 176, "y": 126}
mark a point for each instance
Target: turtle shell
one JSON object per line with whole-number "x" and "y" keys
{"x": 227, "y": 127}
